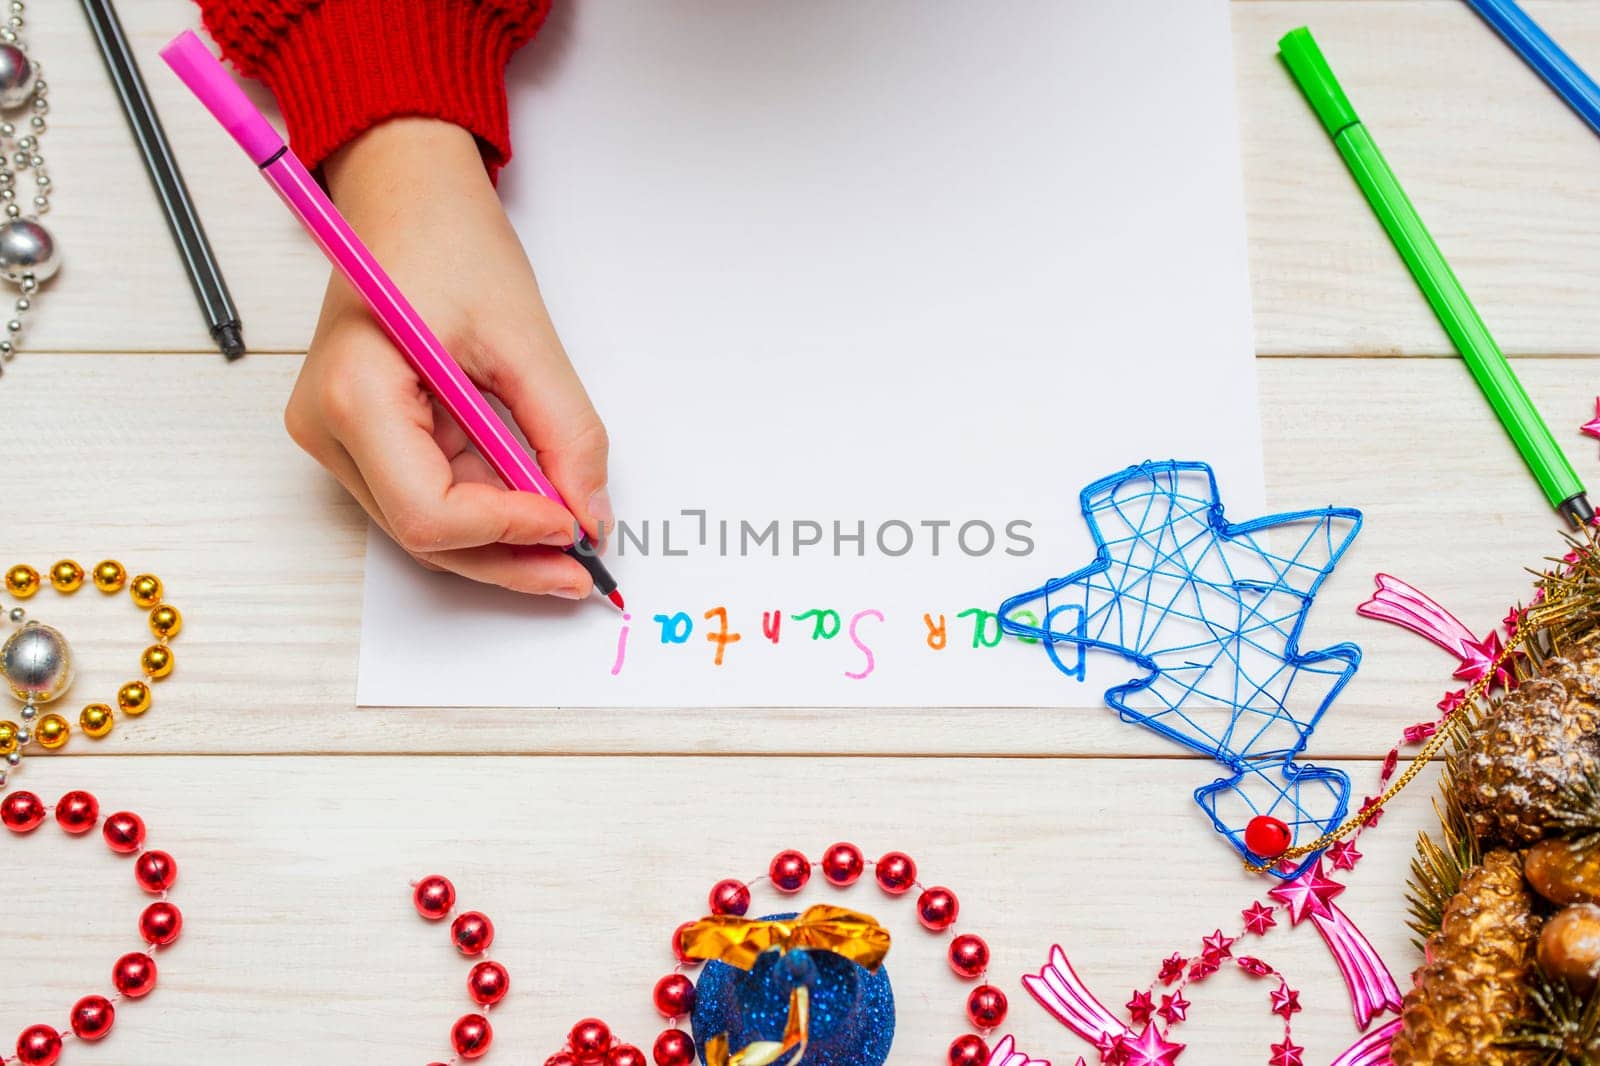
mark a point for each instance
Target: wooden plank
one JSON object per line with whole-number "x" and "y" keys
{"x": 301, "y": 945}
{"x": 181, "y": 466}
{"x": 1506, "y": 176}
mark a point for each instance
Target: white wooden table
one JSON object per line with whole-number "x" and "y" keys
{"x": 588, "y": 835}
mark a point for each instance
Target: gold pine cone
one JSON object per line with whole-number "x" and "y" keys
{"x": 1529, "y": 748}
{"x": 1473, "y": 987}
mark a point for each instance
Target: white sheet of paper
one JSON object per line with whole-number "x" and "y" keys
{"x": 865, "y": 263}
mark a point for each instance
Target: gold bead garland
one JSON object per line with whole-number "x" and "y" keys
{"x": 52, "y": 731}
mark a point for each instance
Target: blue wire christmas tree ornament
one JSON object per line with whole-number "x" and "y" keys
{"x": 1212, "y": 612}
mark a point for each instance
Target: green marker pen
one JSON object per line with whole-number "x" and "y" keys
{"x": 1488, "y": 364}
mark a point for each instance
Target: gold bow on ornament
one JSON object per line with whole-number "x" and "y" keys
{"x": 741, "y": 941}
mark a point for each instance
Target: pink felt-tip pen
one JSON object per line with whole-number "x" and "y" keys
{"x": 205, "y": 76}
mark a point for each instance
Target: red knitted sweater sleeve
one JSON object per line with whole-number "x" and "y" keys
{"x": 338, "y": 67}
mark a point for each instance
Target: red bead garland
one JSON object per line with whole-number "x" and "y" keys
{"x": 434, "y": 897}
{"x": 986, "y": 1007}
{"x": 39, "y": 1045}
{"x": 937, "y": 909}
{"x": 160, "y": 923}
{"x": 22, "y": 812}
{"x": 134, "y": 974}
{"x": 842, "y": 865}
{"x": 625, "y": 1055}
{"x": 674, "y": 996}
{"x": 896, "y": 873}
{"x": 591, "y": 1043}
{"x": 123, "y": 832}
{"x": 677, "y": 945}
{"x": 77, "y": 812}
{"x": 92, "y": 1017}
{"x": 674, "y": 1047}
{"x": 790, "y": 870}
{"x": 471, "y": 1036}
{"x": 472, "y": 932}
{"x": 730, "y": 897}
{"x": 969, "y": 956}
{"x": 968, "y": 1050}
{"x": 156, "y": 871}
{"x": 488, "y": 983}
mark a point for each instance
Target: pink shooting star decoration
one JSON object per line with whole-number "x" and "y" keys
{"x": 1060, "y": 990}
{"x": 1592, "y": 427}
{"x": 1310, "y": 897}
{"x": 1399, "y": 603}
{"x": 1150, "y": 1048}
{"x": 1258, "y": 919}
{"x": 1005, "y": 1053}
{"x": 1372, "y": 1049}
{"x": 1372, "y": 988}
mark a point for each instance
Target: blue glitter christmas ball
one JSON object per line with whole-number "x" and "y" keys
{"x": 852, "y": 1009}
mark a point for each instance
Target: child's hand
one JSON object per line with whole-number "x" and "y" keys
{"x": 416, "y": 191}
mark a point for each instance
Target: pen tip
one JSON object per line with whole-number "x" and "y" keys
{"x": 230, "y": 339}
{"x": 616, "y": 597}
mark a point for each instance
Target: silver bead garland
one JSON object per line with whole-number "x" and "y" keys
{"x": 29, "y": 255}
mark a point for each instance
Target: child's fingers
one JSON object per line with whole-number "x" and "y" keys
{"x": 538, "y": 571}
{"x": 374, "y": 410}
{"x": 549, "y": 403}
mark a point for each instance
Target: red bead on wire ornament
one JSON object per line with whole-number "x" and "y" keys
{"x": 1267, "y": 837}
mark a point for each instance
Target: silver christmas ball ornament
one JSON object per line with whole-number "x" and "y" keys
{"x": 37, "y": 663}
{"x": 27, "y": 248}
{"x": 16, "y": 77}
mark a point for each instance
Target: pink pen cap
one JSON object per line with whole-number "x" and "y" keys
{"x": 206, "y": 77}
